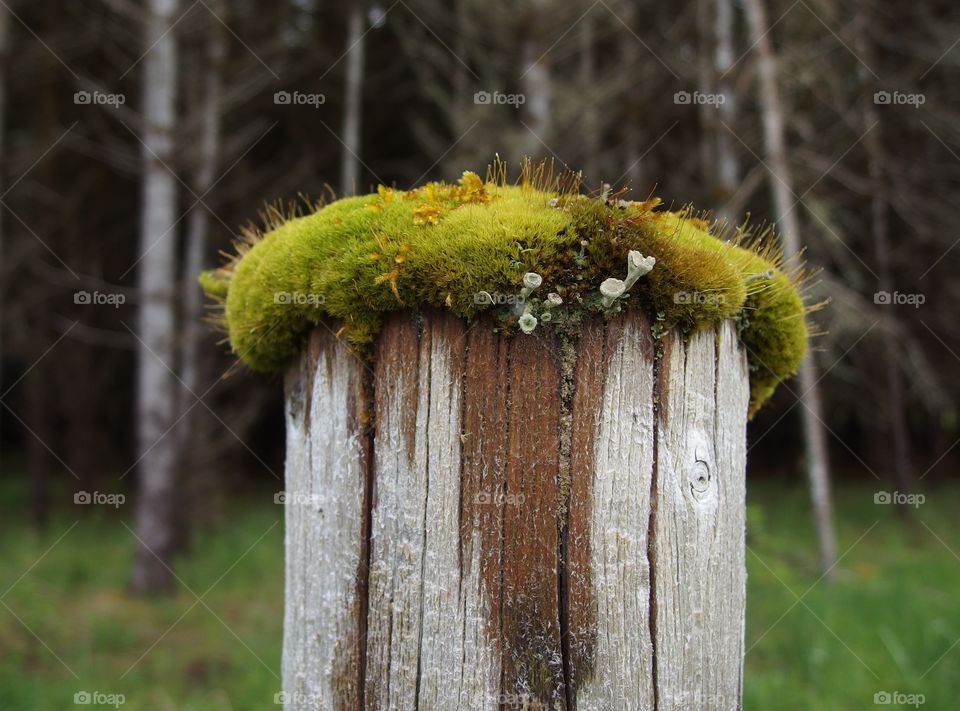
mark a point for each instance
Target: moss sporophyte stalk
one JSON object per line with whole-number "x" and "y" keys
{"x": 533, "y": 255}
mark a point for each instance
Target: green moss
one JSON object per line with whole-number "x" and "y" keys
{"x": 442, "y": 245}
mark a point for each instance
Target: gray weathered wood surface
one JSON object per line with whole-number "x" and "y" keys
{"x": 480, "y": 522}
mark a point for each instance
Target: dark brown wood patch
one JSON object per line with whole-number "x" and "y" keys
{"x": 397, "y": 368}
{"x": 589, "y": 377}
{"x": 532, "y": 653}
{"x": 484, "y": 453}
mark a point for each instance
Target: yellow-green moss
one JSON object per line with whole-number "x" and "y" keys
{"x": 441, "y": 245}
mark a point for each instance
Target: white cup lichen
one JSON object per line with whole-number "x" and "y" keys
{"x": 637, "y": 266}
{"x": 531, "y": 282}
{"x": 527, "y": 322}
{"x": 611, "y": 289}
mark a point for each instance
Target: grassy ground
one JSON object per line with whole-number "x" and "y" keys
{"x": 887, "y": 624}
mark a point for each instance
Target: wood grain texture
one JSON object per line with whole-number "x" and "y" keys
{"x": 325, "y": 541}
{"x": 616, "y": 491}
{"x": 428, "y": 645}
{"x": 545, "y": 531}
{"x": 532, "y": 654}
{"x": 698, "y": 544}
{"x": 483, "y": 498}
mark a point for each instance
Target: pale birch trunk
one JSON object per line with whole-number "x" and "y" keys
{"x": 589, "y": 125}
{"x": 156, "y": 387}
{"x": 353, "y": 101}
{"x": 781, "y": 186}
{"x": 705, "y": 86}
{"x": 528, "y": 521}
{"x": 727, "y": 169}
{"x": 535, "y": 81}
{"x": 630, "y": 52}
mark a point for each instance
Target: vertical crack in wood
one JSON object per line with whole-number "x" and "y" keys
{"x": 367, "y": 397}
{"x": 661, "y": 394}
{"x": 426, "y": 332}
{"x": 568, "y": 360}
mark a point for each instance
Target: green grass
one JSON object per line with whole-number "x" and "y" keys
{"x": 881, "y": 626}
{"x": 76, "y": 605}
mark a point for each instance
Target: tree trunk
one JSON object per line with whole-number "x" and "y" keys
{"x": 589, "y": 128}
{"x": 781, "y": 185}
{"x": 894, "y": 405}
{"x": 535, "y": 81}
{"x": 727, "y": 169}
{"x": 156, "y": 388}
{"x": 630, "y": 54}
{"x": 486, "y": 520}
{"x": 705, "y": 86}
{"x": 209, "y": 96}
{"x": 353, "y": 102}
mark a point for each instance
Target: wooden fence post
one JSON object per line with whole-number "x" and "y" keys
{"x": 480, "y": 521}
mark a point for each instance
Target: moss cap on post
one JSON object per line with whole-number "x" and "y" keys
{"x": 534, "y": 255}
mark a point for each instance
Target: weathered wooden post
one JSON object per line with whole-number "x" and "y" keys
{"x": 538, "y": 506}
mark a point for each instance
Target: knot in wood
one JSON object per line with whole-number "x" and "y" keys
{"x": 700, "y": 476}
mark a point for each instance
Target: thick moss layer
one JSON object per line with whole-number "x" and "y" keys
{"x": 467, "y": 248}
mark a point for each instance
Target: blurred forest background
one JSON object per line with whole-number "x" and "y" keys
{"x": 138, "y": 136}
